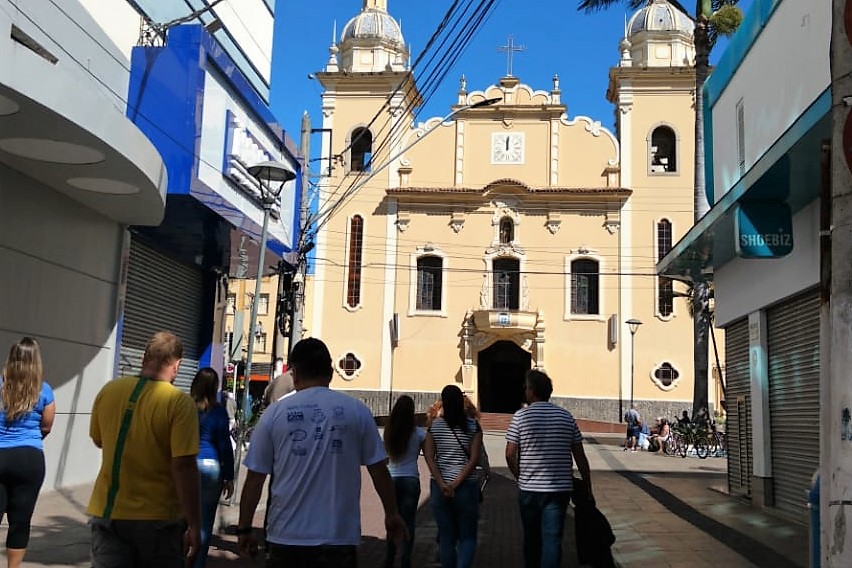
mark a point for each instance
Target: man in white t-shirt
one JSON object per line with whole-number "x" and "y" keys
{"x": 314, "y": 443}
{"x": 541, "y": 440}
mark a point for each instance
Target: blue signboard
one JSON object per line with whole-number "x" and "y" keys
{"x": 763, "y": 229}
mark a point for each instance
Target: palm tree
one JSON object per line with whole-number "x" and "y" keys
{"x": 712, "y": 18}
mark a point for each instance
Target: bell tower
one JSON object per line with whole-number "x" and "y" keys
{"x": 652, "y": 89}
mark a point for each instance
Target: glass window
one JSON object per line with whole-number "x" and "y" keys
{"x": 353, "y": 285}
{"x": 263, "y": 305}
{"x": 260, "y": 342}
{"x": 665, "y": 290}
{"x": 666, "y": 374}
{"x": 584, "y": 286}
{"x": 429, "y": 274}
{"x": 507, "y": 283}
{"x": 231, "y": 304}
{"x": 349, "y": 365}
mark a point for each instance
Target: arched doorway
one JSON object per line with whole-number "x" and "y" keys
{"x": 500, "y": 371}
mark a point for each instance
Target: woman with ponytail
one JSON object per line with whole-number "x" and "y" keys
{"x": 27, "y": 410}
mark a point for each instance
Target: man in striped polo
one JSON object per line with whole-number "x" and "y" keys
{"x": 540, "y": 443}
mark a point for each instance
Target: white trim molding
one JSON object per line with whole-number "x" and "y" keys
{"x": 675, "y": 380}
{"x": 580, "y": 254}
{"x": 339, "y": 370}
{"x": 427, "y": 250}
{"x": 656, "y": 243}
{"x": 346, "y": 252}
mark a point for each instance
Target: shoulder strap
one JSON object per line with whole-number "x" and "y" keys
{"x": 119, "y": 446}
{"x": 453, "y": 430}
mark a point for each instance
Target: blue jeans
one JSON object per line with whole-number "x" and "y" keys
{"x": 407, "y": 499}
{"x": 543, "y": 519}
{"x": 211, "y": 488}
{"x": 457, "y": 519}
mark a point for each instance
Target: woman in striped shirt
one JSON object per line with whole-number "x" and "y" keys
{"x": 452, "y": 447}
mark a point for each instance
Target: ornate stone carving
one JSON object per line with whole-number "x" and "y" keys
{"x": 457, "y": 221}
{"x": 554, "y": 222}
{"x": 525, "y": 294}
{"x": 402, "y": 221}
{"x": 485, "y": 292}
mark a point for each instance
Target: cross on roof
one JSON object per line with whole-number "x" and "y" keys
{"x": 510, "y": 48}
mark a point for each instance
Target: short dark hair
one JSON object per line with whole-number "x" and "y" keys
{"x": 540, "y": 384}
{"x": 311, "y": 359}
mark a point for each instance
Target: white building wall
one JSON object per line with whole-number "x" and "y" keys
{"x": 61, "y": 265}
{"x": 783, "y": 73}
{"x": 747, "y": 285}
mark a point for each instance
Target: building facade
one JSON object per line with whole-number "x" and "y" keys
{"x": 760, "y": 241}
{"x": 506, "y": 236}
{"x": 126, "y": 131}
{"x": 74, "y": 173}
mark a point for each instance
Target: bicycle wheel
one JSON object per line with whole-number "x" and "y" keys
{"x": 670, "y": 446}
{"x": 701, "y": 448}
{"x": 683, "y": 447}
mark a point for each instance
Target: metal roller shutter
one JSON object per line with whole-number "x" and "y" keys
{"x": 738, "y": 401}
{"x": 162, "y": 294}
{"x": 793, "y": 349}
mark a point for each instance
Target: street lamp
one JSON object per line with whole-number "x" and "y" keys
{"x": 633, "y": 324}
{"x": 271, "y": 176}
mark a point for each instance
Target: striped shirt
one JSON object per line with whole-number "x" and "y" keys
{"x": 451, "y": 458}
{"x": 544, "y": 434}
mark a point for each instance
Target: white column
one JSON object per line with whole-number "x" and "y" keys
{"x": 625, "y": 239}
{"x": 759, "y": 389}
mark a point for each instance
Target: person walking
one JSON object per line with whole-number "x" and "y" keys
{"x": 145, "y": 502}
{"x": 632, "y": 418}
{"x": 215, "y": 454}
{"x": 541, "y": 441}
{"x": 27, "y": 410}
{"x": 314, "y": 443}
{"x": 452, "y": 447}
{"x": 403, "y": 442}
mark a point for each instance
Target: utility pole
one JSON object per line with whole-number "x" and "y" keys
{"x": 302, "y": 262}
{"x": 836, "y": 427}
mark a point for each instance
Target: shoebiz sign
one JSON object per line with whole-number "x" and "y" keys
{"x": 763, "y": 229}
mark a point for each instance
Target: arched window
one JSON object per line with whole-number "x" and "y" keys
{"x": 585, "y": 293}
{"x": 356, "y": 243}
{"x": 663, "y": 150}
{"x": 665, "y": 291}
{"x": 361, "y": 150}
{"x": 507, "y": 283}
{"x": 507, "y": 231}
{"x": 429, "y": 274}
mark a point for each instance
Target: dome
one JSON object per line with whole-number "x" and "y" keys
{"x": 660, "y": 16}
{"x": 372, "y": 24}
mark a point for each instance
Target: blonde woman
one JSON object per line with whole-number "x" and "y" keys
{"x": 26, "y": 417}
{"x": 215, "y": 454}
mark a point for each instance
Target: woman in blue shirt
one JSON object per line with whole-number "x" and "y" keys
{"x": 403, "y": 441}
{"x": 215, "y": 453}
{"x": 26, "y": 417}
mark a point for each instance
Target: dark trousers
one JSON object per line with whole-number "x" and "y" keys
{"x": 137, "y": 544}
{"x": 325, "y": 556}
{"x": 21, "y": 476}
{"x": 543, "y": 519}
{"x": 407, "y": 499}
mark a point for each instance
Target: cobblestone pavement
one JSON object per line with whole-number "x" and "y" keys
{"x": 665, "y": 511}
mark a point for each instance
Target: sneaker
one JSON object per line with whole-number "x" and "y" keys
{"x": 634, "y": 450}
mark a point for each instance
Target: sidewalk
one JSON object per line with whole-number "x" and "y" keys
{"x": 665, "y": 511}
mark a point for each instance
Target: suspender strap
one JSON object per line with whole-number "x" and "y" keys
{"x": 119, "y": 446}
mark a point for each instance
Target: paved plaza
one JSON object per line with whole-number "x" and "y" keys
{"x": 665, "y": 511}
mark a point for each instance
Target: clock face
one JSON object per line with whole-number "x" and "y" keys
{"x": 507, "y": 148}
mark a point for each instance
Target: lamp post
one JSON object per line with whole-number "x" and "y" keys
{"x": 633, "y": 324}
{"x": 271, "y": 177}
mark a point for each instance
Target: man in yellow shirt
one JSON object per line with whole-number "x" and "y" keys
{"x": 145, "y": 505}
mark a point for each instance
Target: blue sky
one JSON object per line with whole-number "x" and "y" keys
{"x": 559, "y": 40}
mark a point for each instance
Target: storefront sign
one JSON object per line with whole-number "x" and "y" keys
{"x": 763, "y": 229}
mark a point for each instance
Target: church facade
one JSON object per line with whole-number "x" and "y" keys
{"x": 509, "y": 235}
